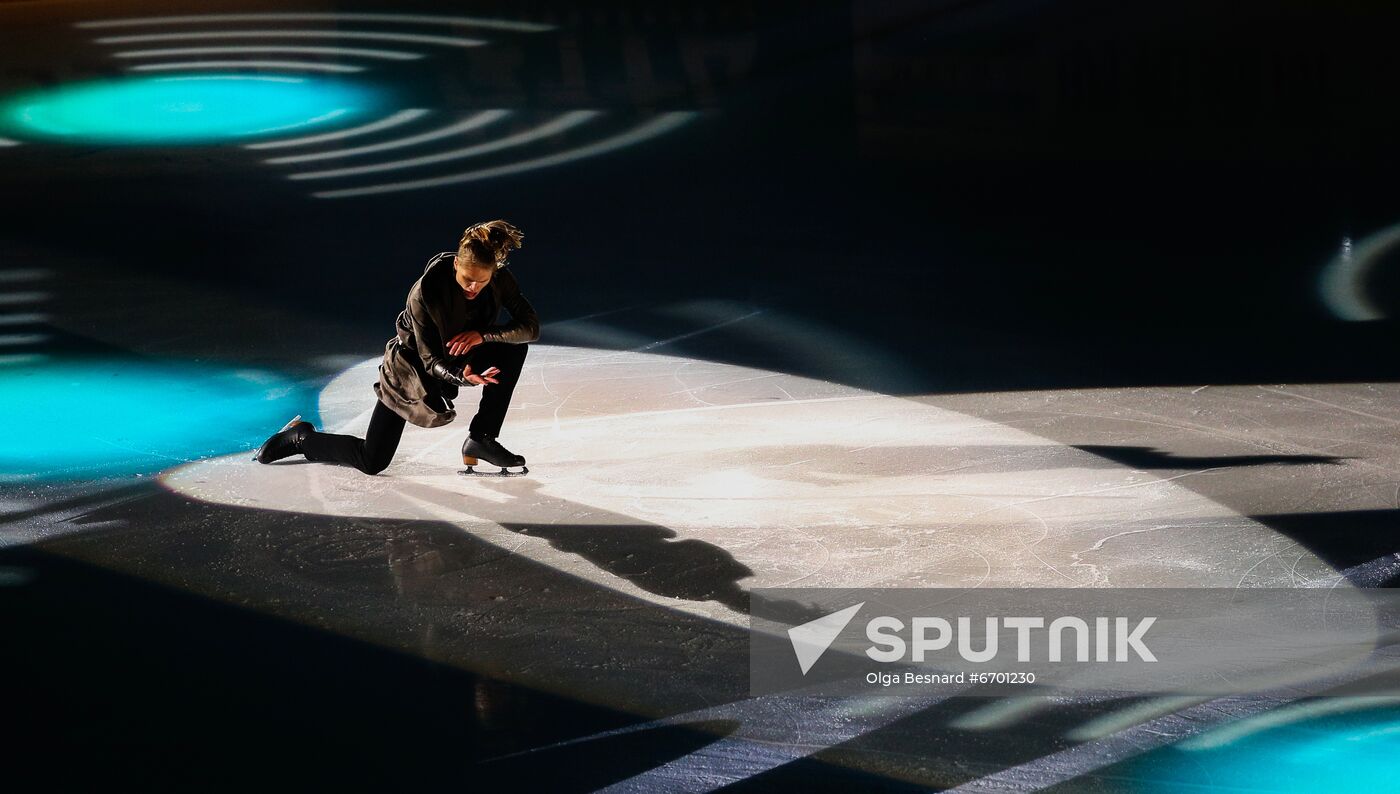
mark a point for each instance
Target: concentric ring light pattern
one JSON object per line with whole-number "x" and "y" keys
{"x": 278, "y": 83}
{"x": 206, "y": 108}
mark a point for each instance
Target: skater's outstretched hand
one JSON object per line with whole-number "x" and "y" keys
{"x": 461, "y": 377}
{"x": 486, "y": 376}
{"x": 463, "y": 342}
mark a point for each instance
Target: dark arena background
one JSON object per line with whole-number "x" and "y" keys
{"x": 897, "y": 293}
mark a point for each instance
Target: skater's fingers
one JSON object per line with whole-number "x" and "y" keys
{"x": 469, "y": 339}
{"x": 490, "y": 371}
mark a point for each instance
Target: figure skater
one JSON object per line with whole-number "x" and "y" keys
{"x": 448, "y": 337}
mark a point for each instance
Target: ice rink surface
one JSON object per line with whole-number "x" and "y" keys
{"x": 662, "y": 489}
{"x": 787, "y": 481}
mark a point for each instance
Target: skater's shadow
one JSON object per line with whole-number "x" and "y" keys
{"x": 824, "y": 464}
{"x": 1148, "y": 458}
{"x": 647, "y": 555}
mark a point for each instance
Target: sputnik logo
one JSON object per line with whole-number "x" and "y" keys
{"x": 811, "y": 639}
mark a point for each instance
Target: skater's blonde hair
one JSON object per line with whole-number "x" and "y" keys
{"x": 488, "y": 244}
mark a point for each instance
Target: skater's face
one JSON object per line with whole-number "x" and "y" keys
{"x": 473, "y": 278}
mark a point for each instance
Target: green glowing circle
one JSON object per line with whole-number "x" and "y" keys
{"x": 206, "y": 108}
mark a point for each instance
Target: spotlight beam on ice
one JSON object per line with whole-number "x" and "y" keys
{"x": 781, "y": 405}
{"x": 405, "y": 19}
{"x": 388, "y": 122}
{"x": 475, "y": 121}
{"x": 355, "y": 52}
{"x": 564, "y": 122}
{"x": 308, "y": 66}
{"x": 657, "y": 126}
{"x": 207, "y": 35}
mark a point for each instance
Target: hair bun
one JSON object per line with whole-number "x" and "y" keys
{"x": 490, "y": 241}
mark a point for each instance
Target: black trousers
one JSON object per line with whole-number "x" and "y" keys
{"x": 373, "y": 453}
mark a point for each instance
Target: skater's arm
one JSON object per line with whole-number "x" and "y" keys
{"x": 524, "y": 325}
{"x": 426, "y": 335}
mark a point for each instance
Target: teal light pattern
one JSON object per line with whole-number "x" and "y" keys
{"x": 86, "y": 419}
{"x": 1353, "y": 751}
{"x": 185, "y": 109}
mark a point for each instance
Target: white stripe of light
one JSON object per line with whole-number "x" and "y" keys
{"x": 32, "y": 318}
{"x": 363, "y": 35}
{"x": 567, "y": 121}
{"x": 658, "y": 126}
{"x": 305, "y": 66}
{"x": 15, "y": 298}
{"x": 476, "y": 120}
{"x": 8, "y": 142}
{"x": 406, "y": 19}
{"x": 258, "y": 78}
{"x": 24, "y": 274}
{"x": 1131, "y": 716}
{"x": 15, "y": 340}
{"x": 402, "y": 117}
{"x": 337, "y": 113}
{"x": 1000, "y": 713}
{"x": 1343, "y": 281}
{"x": 354, "y": 52}
{"x": 20, "y": 358}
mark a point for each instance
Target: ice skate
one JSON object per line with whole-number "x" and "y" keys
{"x": 484, "y": 448}
{"x": 285, "y": 442}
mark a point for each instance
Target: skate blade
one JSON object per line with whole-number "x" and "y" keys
{"x": 470, "y": 471}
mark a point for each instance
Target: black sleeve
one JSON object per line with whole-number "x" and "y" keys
{"x": 524, "y": 325}
{"x": 426, "y": 333}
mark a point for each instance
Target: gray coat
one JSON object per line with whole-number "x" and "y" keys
{"x": 436, "y": 311}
